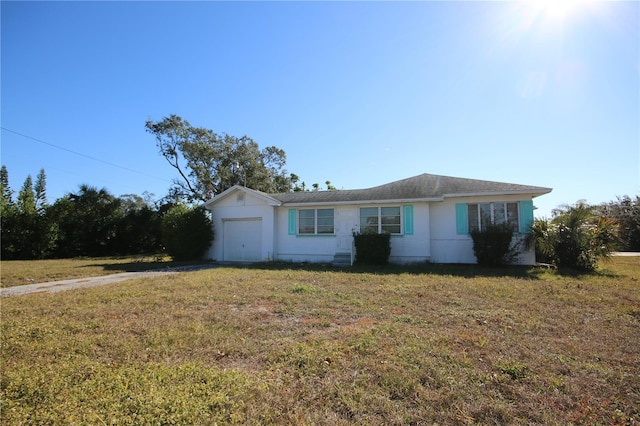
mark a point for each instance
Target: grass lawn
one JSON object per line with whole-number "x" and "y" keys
{"x": 307, "y": 346}
{"x": 19, "y": 272}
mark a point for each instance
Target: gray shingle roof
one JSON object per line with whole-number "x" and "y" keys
{"x": 421, "y": 187}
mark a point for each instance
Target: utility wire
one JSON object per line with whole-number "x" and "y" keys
{"x": 82, "y": 155}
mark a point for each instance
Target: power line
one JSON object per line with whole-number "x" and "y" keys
{"x": 82, "y": 155}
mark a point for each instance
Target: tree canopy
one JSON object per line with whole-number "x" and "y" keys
{"x": 209, "y": 163}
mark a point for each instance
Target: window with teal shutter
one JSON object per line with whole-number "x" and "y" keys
{"x": 526, "y": 215}
{"x": 462, "y": 219}
{"x": 408, "y": 220}
{"x": 292, "y": 221}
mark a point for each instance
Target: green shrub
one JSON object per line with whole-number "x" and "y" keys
{"x": 576, "y": 237}
{"x": 492, "y": 245}
{"x": 372, "y": 249}
{"x": 186, "y": 232}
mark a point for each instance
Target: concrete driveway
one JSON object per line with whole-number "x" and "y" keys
{"x": 54, "y": 286}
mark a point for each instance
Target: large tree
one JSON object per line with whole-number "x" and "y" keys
{"x": 7, "y": 216}
{"x": 88, "y": 222}
{"x": 6, "y": 194}
{"x": 209, "y": 163}
{"x": 27, "y": 197}
{"x": 27, "y": 231}
{"x": 40, "y": 192}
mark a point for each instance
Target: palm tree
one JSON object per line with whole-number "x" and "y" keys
{"x": 576, "y": 237}
{"x": 88, "y": 221}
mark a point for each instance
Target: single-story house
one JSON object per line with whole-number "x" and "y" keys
{"x": 428, "y": 216}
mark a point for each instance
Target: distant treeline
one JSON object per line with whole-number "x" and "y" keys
{"x": 92, "y": 222}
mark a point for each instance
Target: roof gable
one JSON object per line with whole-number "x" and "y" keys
{"x": 237, "y": 188}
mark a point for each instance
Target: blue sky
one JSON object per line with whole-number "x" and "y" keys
{"x": 358, "y": 93}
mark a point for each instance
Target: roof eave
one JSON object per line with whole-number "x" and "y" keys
{"x": 345, "y": 203}
{"x": 532, "y": 192}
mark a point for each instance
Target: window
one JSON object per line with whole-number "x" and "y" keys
{"x": 380, "y": 220}
{"x": 482, "y": 215}
{"x": 315, "y": 221}
{"x": 325, "y": 221}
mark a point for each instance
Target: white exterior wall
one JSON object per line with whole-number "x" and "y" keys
{"x": 449, "y": 247}
{"x": 240, "y": 205}
{"x": 434, "y": 236}
{"x": 314, "y": 248}
{"x": 446, "y": 245}
{"x": 413, "y": 248}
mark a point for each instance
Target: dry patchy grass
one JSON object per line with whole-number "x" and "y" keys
{"x": 19, "y": 272}
{"x": 279, "y": 345}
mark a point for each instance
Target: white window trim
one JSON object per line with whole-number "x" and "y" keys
{"x": 492, "y": 210}
{"x": 315, "y": 223}
{"x": 401, "y": 224}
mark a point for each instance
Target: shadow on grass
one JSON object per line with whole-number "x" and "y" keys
{"x": 458, "y": 270}
{"x": 144, "y": 266}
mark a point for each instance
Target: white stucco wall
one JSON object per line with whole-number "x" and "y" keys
{"x": 446, "y": 246}
{"x": 449, "y": 247}
{"x": 240, "y": 205}
{"x": 413, "y": 248}
{"x": 313, "y": 248}
{"x": 434, "y": 236}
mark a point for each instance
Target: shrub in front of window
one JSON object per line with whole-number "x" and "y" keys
{"x": 372, "y": 248}
{"x": 186, "y": 232}
{"x": 492, "y": 245}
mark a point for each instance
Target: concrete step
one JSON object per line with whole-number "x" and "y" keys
{"x": 341, "y": 260}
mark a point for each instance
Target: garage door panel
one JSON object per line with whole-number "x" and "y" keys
{"x": 242, "y": 240}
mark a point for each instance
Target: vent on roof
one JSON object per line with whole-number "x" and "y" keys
{"x": 240, "y": 197}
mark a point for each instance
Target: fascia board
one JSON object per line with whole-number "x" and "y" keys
{"x": 362, "y": 202}
{"x": 497, "y": 193}
{"x": 269, "y": 200}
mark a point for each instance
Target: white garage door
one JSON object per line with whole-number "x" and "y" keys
{"x": 242, "y": 240}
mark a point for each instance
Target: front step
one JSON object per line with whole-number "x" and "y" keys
{"x": 341, "y": 260}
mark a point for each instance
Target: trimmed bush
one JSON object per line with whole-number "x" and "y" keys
{"x": 372, "y": 249}
{"x": 186, "y": 232}
{"x": 492, "y": 246}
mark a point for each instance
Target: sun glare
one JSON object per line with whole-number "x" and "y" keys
{"x": 556, "y": 9}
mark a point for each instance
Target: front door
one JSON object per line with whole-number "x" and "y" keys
{"x": 345, "y": 227}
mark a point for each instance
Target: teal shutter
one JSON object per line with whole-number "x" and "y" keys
{"x": 408, "y": 219}
{"x": 292, "y": 221}
{"x": 462, "y": 219}
{"x": 526, "y": 215}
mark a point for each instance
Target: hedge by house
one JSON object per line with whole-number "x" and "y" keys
{"x": 372, "y": 249}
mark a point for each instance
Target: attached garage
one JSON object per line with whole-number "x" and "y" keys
{"x": 242, "y": 240}
{"x": 428, "y": 216}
